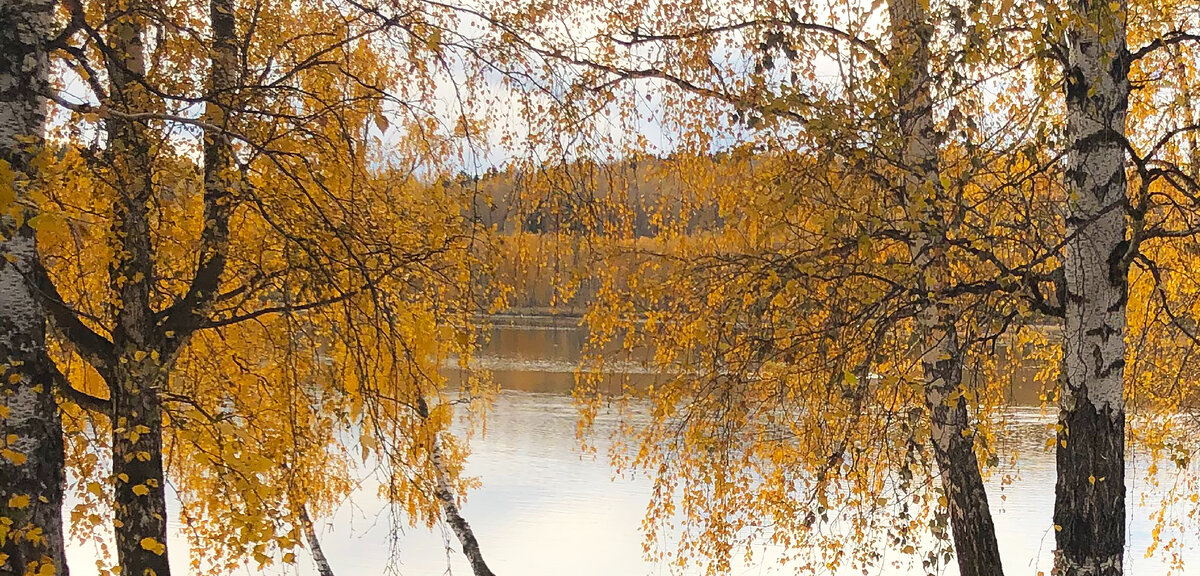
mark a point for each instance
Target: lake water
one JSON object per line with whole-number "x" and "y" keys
{"x": 547, "y": 509}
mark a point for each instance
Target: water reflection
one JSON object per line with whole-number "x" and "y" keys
{"x": 546, "y": 508}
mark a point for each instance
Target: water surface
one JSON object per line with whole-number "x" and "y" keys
{"x": 546, "y": 508}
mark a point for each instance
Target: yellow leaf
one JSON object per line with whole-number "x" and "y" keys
{"x": 153, "y": 545}
{"x": 18, "y": 501}
{"x": 48, "y": 223}
{"x": 46, "y": 568}
{"x": 13, "y": 456}
{"x": 141, "y": 490}
{"x": 8, "y": 192}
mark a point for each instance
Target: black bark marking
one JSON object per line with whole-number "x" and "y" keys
{"x": 1090, "y": 524}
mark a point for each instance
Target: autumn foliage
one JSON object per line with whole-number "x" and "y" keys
{"x": 244, "y": 238}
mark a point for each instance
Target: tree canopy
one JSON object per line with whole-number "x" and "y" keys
{"x": 243, "y": 240}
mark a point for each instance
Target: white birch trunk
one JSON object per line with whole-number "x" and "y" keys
{"x": 31, "y": 444}
{"x": 1089, "y": 511}
{"x": 923, "y": 196}
{"x": 314, "y": 544}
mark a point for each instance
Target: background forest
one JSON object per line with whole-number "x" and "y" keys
{"x": 256, "y": 251}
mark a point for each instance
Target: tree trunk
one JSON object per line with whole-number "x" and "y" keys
{"x": 971, "y": 526}
{"x": 31, "y": 441}
{"x": 975, "y": 545}
{"x": 444, "y": 491}
{"x": 314, "y": 544}
{"x": 466, "y": 536}
{"x": 146, "y": 347}
{"x": 140, "y": 495}
{"x": 1089, "y": 507}
{"x": 139, "y": 373}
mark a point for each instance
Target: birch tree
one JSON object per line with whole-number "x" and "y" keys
{"x": 1128, "y": 159}
{"x": 31, "y": 446}
{"x": 924, "y": 197}
{"x": 845, "y": 253}
{"x": 226, "y": 189}
{"x": 1089, "y": 511}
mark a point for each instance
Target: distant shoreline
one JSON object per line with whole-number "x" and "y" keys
{"x": 535, "y": 317}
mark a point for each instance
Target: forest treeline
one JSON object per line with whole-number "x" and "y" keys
{"x": 242, "y": 239}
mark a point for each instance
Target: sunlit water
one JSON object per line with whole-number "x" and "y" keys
{"x": 546, "y": 508}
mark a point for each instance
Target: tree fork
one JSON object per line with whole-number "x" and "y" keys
{"x": 137, "y": 371}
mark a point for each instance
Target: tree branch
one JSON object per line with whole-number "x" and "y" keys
{"x": 314, "y": 543}
{"x": 79, "y": 397}
{"x": 1169, "y": 39}
{"x": 219, "y": 176}
{"x": 794, "y": 22}
{"x": 96, "y": 349}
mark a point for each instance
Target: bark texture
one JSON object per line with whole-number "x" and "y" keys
{"x": 1089, "y": 508}
{"x": 444, "y": 491}
{"x": 31, "y": 442}
{"x": 138, "y": 375}
{"x": 923, "y": 196}
{"x": 140, "y": 497}
{"x": 146, "y": 341}
{"x": 314, "y": 544}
